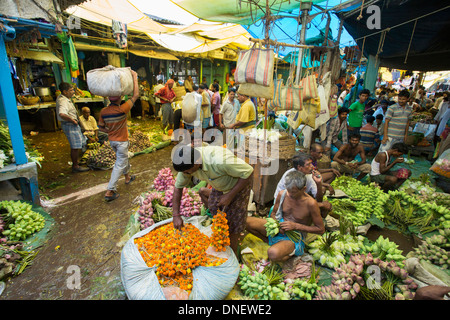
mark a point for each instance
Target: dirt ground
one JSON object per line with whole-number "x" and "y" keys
{"x": 87, "y": 229}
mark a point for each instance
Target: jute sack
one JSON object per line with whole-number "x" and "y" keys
{"x": 110, "y": 81}
{"x": 255, "y": 90}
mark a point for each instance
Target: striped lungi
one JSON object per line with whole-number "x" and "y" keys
{"x": 73, "y": 133}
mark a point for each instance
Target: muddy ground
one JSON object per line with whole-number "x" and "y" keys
{"x": 87, "y": 230}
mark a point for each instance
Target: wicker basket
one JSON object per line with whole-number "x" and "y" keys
{"x": 284, "y": 150}
{"x": 180, "y": 92}
{"x": 28, "y": 100}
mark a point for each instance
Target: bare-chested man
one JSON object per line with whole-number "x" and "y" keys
{"x": 295, "y": 210}
{"x": 344, "y": 160}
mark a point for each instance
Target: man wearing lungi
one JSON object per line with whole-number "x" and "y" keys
{"x": 229, "y": 176}
{"x": 67, "y": 115}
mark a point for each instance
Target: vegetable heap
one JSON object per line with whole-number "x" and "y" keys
{"x": 259, "y": 285}
{"x": 386, "y": 250}
{"x": 190, "y": 203}
{"x": 163, "y": 180}
{"x": 175, "y": 253}
{"x": 371, "y": 198}
{"x": 434, "y": 249}
{"x": 152, "y": 210}
{"x": 220, "y": 238}
{"x": 103, "y": 157}
{"x": 6, "y": 149}
{"x": 20, "y": 220}
{"x": 408, "y": 210}
{"x": 139, "y": 141}
{"x": 360, "y": 279}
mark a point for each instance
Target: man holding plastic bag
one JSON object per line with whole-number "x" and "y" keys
{"x": 229, "y": 176}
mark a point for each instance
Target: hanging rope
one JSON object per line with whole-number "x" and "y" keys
{"x": 410, "y": 41}
{"x": 381, "y": 43}
{"x": 360, "y": 13}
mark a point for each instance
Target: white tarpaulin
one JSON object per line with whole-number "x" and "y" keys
{"x": 104, "y": 11}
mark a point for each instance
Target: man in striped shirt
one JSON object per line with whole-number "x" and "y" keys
{"x": 113, "y": 121}
{"x": 369, "y": 136}
{"x": 397, "y": 121}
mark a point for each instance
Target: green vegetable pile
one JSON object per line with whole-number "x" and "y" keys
{"x": 385, "y": 249}
{"x": 408, "y": 211}
{"x": 366, "y": 200}
{"x": 21, "y": 221}
{"x": 257, "y": 285}
{"x": 433, "y": 249}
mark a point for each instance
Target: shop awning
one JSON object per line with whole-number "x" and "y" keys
{"x": 37, "y": 55}
{"x": 155, "y": 54}
{"x": 92, "y": 47}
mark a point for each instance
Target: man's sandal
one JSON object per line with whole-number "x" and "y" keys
{"x": 111, "y": 198}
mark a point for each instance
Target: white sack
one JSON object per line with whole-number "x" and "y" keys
{"x": 110, "y": 81}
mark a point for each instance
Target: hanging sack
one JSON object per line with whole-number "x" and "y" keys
{"x": 293, "y": 97}
{"x": 278, "y": 101}
{"x": 323, "y": 114}
{"x": 333, "y": 106}
{"x": 309, "y": 112}
{"x": 256, "y": 90}
{"x": 110, "y": 81}
{"x": 255, "y": 66}
{"x": 309, "y": 86}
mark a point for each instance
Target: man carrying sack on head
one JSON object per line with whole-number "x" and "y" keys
{"x": 229, "y": 176}
{"x": 113, "y": 120}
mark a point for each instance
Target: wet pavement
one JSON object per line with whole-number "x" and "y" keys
{"x": 87, "y": 232}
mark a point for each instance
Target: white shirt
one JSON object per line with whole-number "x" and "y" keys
{"x": 65, "y": 105}
{"x": 156, "y": 89}
{"x": 311, "y": 186}
{"x": 229, "y": 112}
{"x": 375, "y": 166}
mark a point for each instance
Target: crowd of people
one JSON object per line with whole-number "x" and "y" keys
{"x": 371, "y": 126}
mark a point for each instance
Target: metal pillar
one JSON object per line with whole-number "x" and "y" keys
{"x": 29, "y": 185}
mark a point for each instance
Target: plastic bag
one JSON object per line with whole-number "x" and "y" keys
{"x": 210, "y": 283}
{"x": 189, "y": 109}
{"x": 110, "y": 81}
{"x": 442, "y": 165}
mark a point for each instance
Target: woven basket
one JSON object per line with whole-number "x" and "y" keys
{"x": 180, "y": 92}
{"x": 324, "y": 163}
{"x": 284, "y": 150}
{"x": 28, "y": 100}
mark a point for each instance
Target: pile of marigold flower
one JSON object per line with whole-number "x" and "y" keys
{"x": 220, "y": 238}
{"x": 175, "y": 253}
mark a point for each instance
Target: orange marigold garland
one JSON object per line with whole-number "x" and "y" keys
{"x": 175, "y": 253}
{"x": 220, "y": 238}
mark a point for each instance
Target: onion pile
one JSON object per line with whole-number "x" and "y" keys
{"x": 152, "y": 210}
{"x": 190, "y": 204}
{"x": 164, "y": 180}
{"x": 368, "y": 278}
